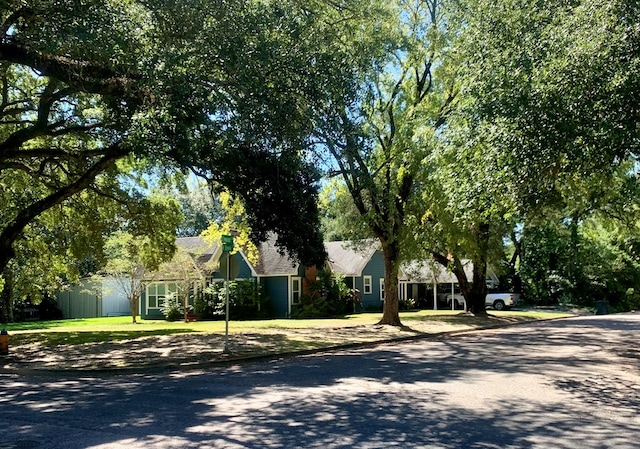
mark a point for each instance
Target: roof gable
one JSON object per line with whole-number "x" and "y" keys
{"x": 194, "y": 255}
{"x": 350, "y": 258}
{"x": 272, "y": 262}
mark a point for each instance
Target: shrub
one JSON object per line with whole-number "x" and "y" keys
{"x": 407, "y": 304}
{"x": 327, "y": 297}
{"x": 246, "y": 301}
{"x": 172, "y": 308}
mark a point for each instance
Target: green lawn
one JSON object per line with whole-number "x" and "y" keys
{"x": 93, "y": 330}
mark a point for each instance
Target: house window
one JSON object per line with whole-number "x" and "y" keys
{"x": 152, "y": 296}
{"x": 295, "y": 290}
{"x": 367, "y": 285}
{"x": 157, "y": 292}
{"x": 381, "y": 289}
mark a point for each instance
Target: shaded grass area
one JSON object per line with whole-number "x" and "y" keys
{"x": 56, "y": 324}
{"x": 302, "y": 334}
{"x": 105, "y": 343}
{"x": 276, "y": 343}
{"x": 78, "y": 338}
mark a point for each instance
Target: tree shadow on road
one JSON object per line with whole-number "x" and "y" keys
{"x": 421, "y": 394}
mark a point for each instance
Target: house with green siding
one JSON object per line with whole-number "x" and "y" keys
{"x": 279, "y": 275}
{"x": 361, "y": 264}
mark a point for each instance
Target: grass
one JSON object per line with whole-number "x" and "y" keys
{"x": 110, "y": 329}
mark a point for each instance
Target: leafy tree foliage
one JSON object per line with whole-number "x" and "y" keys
{"x": 66, "y": 242}
{"x": 339, "y": 217}
{"x": 580, "y": 265}
{"x": 327, "y": 297}
{"x": 212, "y": 85}
{"x": 586, "y": 251}
{"x": 466, "y": 207}
{"x": 247, "y": 300}
{"x": 556, "y": 84}
{"x": 199, "y": 207}
{"x": 544, "y": 102}
{"x": 234, "y": 224}
{"x": 379, "y": 145}
{"x": 129, "y": 257}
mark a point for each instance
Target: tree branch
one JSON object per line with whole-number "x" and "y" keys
{"x": 81, "y": 75}
{"x": 14, "y": 228}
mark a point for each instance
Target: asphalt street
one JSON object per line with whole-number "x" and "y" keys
{"x": 571, "y": 383}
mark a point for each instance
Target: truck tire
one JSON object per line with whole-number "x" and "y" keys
{"x": 498, "y": 304}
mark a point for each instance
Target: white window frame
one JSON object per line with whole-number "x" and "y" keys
{"x": 367, "y": 285}
{"x": 159, "y": 298}
{"x": 381, "y": 289}
{"x": 170, "y": 287}
{"x": 296, "y": 293}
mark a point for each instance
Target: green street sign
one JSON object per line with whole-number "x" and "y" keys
{"x": 227, "y": 243}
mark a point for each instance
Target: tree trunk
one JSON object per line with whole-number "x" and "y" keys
{"x": 134, "y": 304}
{"x": 461, "y": 276}
{"x": 390, "y": 311}
{"x": 6, "y": 297}
{"x": 478, "y": 291}
{"x": 458, "y": 272}
{"x": 185, "y": 306}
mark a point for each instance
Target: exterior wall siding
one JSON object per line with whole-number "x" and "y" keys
{"x": 244, "y": 269}
{"x": 93, "y": 299}
{"x": 277, "y": 289}
{"x": 81, "y": 301}
{"x": 375, "y": 269}
{"x": 152, "y": 314}
{"x": 114, "y": 298}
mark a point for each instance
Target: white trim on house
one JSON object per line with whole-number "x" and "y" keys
{"x": 381, "y": 289}
{"x": 156, "y": 292}
{"x": 296, "y": 289}
{"x": 367, "y": 284}
{"x": 169, "y": 287}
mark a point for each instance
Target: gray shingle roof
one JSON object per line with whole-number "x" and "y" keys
{"x": 349, "y": 258}
{"x": 272, "y": 263}
{"x": 427, "y": 272}
{"x": 198, "y": 248}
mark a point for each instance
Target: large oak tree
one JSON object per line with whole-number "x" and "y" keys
{"x": 227, "y": 89}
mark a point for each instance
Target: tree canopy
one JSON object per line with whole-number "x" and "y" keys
{"x": 379, "y": 144}
{"x": 555, "y": 84}
{"x": 227, "y": 89}
{"x": 450, "y": 122}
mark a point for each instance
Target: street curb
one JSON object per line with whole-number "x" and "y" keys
{"x": 167, "y": 366}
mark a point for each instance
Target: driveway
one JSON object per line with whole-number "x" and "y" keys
{"x": 572, "y": 383}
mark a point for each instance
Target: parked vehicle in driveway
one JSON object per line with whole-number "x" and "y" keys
{"x": 501, "y": 301}
{"x": 497, "y": 301}
{"x": 459, "y": 298}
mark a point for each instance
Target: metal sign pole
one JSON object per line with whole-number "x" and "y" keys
{"x": 226, "y": 314}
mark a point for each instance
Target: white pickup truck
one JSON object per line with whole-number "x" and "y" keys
{"x": 498, "y": 301}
